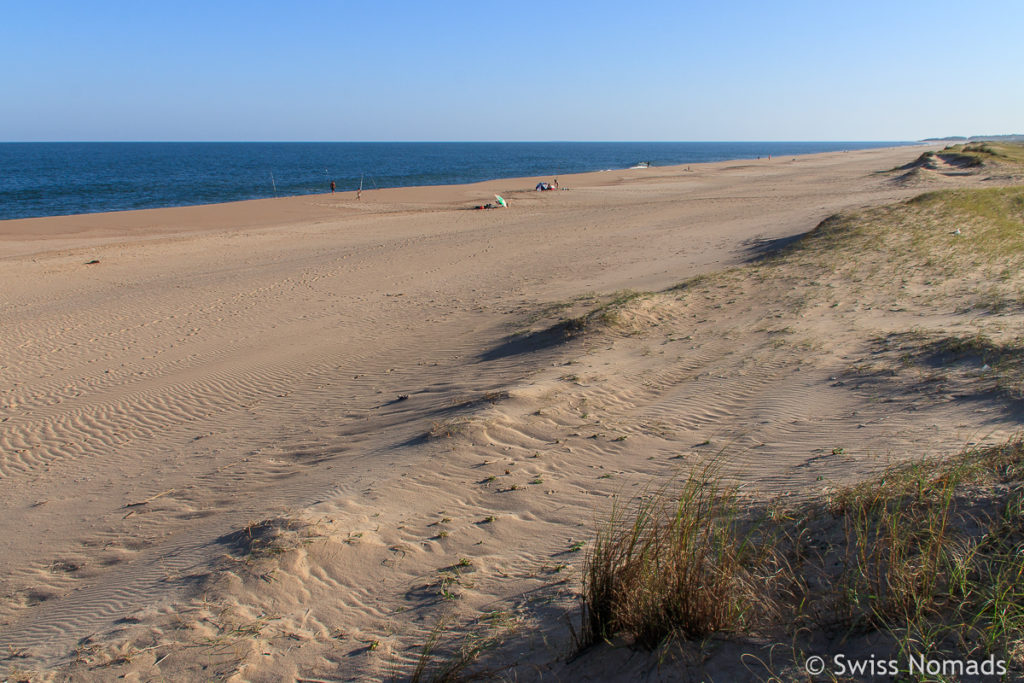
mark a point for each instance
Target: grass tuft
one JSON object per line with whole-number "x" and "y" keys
{"x": 673, "y": 565}
{"x": 443, "y": 429}
{"x": 926, "y": 559}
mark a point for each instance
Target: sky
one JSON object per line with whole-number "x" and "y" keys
{"x": 631, "y": 70}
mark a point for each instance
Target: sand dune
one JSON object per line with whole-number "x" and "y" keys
{"x": 285, "y": 437}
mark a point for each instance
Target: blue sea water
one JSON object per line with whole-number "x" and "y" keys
{"x": 59, "y": 178}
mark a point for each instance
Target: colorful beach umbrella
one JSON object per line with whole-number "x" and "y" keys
{"x": 501, "y": 201}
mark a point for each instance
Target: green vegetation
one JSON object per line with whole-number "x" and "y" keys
{"x": 673, "y": 566}
{"x": 439, "y": 666}
{"x": 933, "y": 557}
{"x": 927, "y": 559}
{"x": 964, "y": 247}
{"x": 1001, "y": 365}
{"x": 949, "y": 251}
{"x": 269, "y": 537}
{"x": 972, "y": 157}
{"x": 977, "y": 154}
{"x": 603, "y": 315}
{"x": 994, "y": 217}
{"x": 991, "y": 224}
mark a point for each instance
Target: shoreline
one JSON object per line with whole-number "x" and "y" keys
{"x": 752, "y": 157}
{"x": 21, "y": 236}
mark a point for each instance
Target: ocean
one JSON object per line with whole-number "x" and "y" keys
{"x": 60, "y": 178}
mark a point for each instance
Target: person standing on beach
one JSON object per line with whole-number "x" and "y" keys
{"x": 332, "y": 186}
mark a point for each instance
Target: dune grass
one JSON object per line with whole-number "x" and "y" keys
{"x": 976, "y": 154}
{"x": 959, "y": 249}
{"x": 928, "y": 559}
{"x": 956, "y": 251}
{"x": 990, "y": 223}
{"x": 434, "y": 665}
{"x": 966, "y": 246}
{"x": 994, "y": 217}
{"x": 933, "y": 555}
{"x": 680, "y": 564}
{"x": 1001, "y": 364}
{"x": 602, "y": 316}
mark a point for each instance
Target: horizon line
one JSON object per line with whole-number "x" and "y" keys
{"x": 432, "y": 142}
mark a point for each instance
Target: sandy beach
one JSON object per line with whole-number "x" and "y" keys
{"x": 368, "y": 383}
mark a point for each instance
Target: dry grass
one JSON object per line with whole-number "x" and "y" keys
{"x": 927, "y": 559}
{"x": 972, "y": 157}
{"x": 999, "y": 365}
{"x": 269, "y": 537}
{"x": 604, "y": 315}
{"x": 443, "y": 429}
{"x": 933, "y": 555}
{"x": 676, "y": 565}
{"x": 984, "y": 154}
{"x": 910, "y": 233}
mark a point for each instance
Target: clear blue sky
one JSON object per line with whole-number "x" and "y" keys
{"x": 480, "y": 70}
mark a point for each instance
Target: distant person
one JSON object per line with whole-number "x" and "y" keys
{"x": 333, "y": 186}
{"x": 555, "y": 183}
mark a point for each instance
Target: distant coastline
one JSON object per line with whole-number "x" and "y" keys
{"x": 1014, "y": 137}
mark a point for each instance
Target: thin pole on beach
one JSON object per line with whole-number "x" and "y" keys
{"x": 272, "y": 182}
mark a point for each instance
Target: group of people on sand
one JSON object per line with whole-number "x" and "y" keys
{"x": 541, "y": 187}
